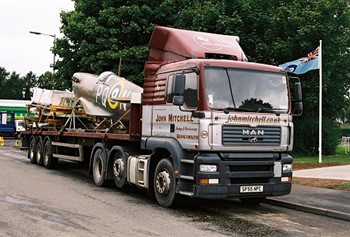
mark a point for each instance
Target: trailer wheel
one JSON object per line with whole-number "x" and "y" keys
{"x": 252, "y": 201}
{"x": 99, "y": 168}
{"x": 39, "y": 151}
{"x": 119, "y": 169}
{"x": 49, "y": 161}
{"x": 164, "y": 183}
{"x": 31, "y": 151}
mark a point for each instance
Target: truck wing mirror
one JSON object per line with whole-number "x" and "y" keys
{"x": 179, "y": 89}
{"x": 178, "y": 100}
{"x": 179, "y": 85}
{"x": 297, "y": 91}
{"x": 298, "y": 109}
{"x": 298, "y": 97}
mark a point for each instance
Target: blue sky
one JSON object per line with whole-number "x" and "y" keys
{"x": 21, "y": 51}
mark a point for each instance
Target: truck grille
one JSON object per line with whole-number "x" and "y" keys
{"x": 250, "y": 136}
{"x": 247, "y": 168}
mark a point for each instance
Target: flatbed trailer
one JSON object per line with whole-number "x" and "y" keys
{"x": 206, "y": 123}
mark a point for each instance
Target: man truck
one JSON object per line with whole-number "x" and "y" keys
{"x": 206, "y": 124}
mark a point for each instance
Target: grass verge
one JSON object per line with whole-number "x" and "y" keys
{"x": 324, "y": 183}
{"x": 342, "y": 157}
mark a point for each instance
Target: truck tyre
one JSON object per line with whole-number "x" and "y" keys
{"x": 31, "y": 150}
{"x": 252, "y": 201}
{"x": 119, "y": 169}
{"x": 49, "y": 161}
{"x": 99, "y": 168}
{"x": 164, "y": 183}
{"x": 39, "y": 151}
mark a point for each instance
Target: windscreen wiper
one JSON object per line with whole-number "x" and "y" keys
{"x": 277, "y": 111}
{"x": 227, "y": 109}
{"x": 261, "y": 109}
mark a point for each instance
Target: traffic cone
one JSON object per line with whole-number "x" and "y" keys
{"x": 2, "y": 142}
{"x": 17, "y": 143}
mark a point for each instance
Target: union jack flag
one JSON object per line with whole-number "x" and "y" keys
{"x": 304, "y": 64}
{"x": 310, "y": 56}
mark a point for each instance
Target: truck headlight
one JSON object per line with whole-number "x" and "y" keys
{"x": 207, "y": 168}
{"x": 287, "y": 168}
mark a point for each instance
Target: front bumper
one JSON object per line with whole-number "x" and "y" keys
{"x": 224, "y": 191}
{"x": 242, "y": 169}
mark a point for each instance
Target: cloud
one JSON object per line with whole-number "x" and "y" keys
{"x": 21, "y": 51}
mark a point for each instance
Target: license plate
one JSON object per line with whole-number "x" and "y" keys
{"x": 252, "y": 189}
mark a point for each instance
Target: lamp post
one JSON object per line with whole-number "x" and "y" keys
{"x": 54, "y": 55}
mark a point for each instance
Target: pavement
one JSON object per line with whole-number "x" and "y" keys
{"x": 322, "y": 201}
{"x": 333, "y": 172}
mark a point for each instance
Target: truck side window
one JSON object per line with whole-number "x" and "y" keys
{"x": 191, "y": 90}
{"x": 170, "y": 94}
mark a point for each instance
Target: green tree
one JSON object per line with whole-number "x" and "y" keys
{"x": 29, "y": 81}
{"x": 3, "y": 76}
{"x": 12, "y": 88}
{"x": 97, "y": 34}
{"x": 100, "y": 33}
{"x": 275, "y": 32}
{"x": 15, "y": 87}
{"x": 52, "y": 82}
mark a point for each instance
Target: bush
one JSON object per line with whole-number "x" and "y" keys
{"x": 306, "y": 136}
{"x": 331, "y": 137}
{"x": 345, "y": 131}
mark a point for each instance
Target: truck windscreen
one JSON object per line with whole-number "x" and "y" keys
{"x": 246, "y": 90}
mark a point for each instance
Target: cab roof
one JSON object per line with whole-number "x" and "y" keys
{"x": 169, "y": 44}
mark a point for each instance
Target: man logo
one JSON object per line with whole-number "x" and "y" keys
{"x": 253, "y": 132}
{"x": 253, "y": 139}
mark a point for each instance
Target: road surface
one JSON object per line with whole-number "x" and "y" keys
{"x": 35, "y": 201}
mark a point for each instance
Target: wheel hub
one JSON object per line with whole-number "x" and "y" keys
{"x": 31, "y": 154}
{"x": 118, "y": 168}
{"x": 163, "y": 182}
{"x": 38, "y": 156}
{"x": 45, "y": 158}
{"x": 98, "y": 167}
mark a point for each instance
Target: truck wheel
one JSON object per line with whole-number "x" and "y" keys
{"x": 119, "y": 170}
{"x": 252, "y": 201}
{"x": 99, "y": 168}
{"x": 31, "y": 151}
{"x": 39, "y": 151}
{"x": 164, "y": 183}
{"x": 49, "y": 161}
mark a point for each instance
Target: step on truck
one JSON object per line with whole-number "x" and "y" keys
{"x": 206, "y": 123}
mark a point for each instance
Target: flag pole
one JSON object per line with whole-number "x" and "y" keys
{"x": 320, "y": 106}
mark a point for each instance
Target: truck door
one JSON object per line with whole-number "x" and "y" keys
{"x": 177, "y": 122}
